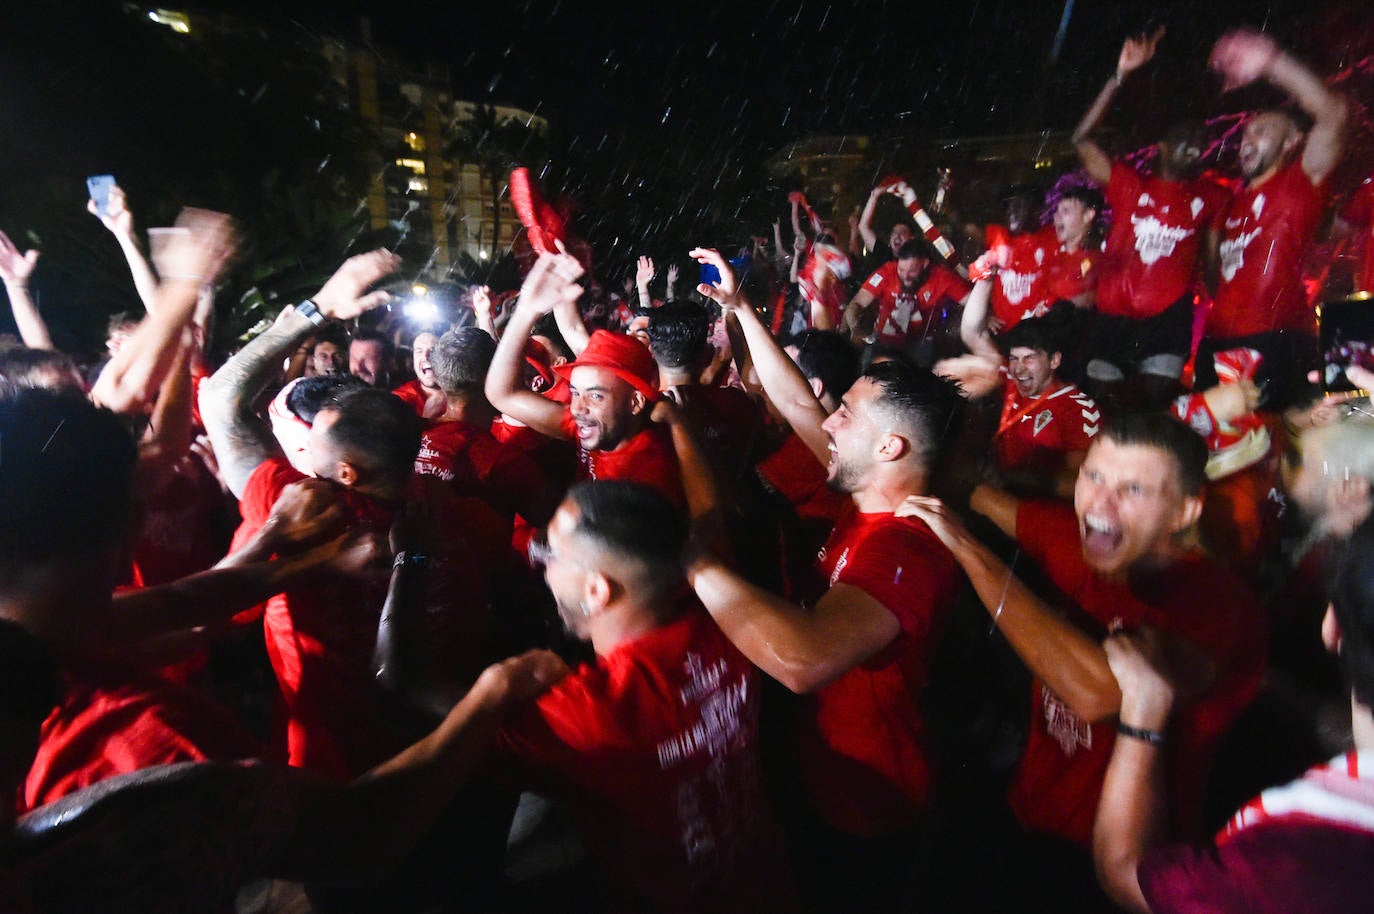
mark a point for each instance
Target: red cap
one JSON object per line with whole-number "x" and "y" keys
{"x": 624, "y": 356}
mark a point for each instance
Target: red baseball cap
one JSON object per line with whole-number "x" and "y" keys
{"x": 624, "y": 356}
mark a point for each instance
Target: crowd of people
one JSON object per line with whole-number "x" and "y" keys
{"x": 914, "y": 586}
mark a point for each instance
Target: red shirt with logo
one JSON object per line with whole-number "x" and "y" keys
{"x": 795, "y": 474}
{"x": 647, "y": 457}
{"x": 864, "y": 749}
{"x": 1036, "y": 433}
{"x": 320, "y": 636}
{"x": 655, "y": 746}
{"x": 1151, "y": 256}
{"x": 903, "y": 314}
{"x": 1265, "y": 231}
{"x": 1071, "y": 274}
{"x": 475, "y": 463}
{"x": 1057, "y": 784}
{"x": 1020, "y": 289}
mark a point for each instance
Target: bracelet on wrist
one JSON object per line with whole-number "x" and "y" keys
{"x": 1153, "y": 737}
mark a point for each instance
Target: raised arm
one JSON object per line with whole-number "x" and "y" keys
{"x": 195, "y": 254}
{"x": 15, "y": 270}
{"x": 1060, "y": 654}
{"x": 569, "y": 320}
{"x": 120, "y": 221}
{"x": 973, "y": 326}
{"x": 1134, "y": 53}
{"x": 241, "y": 438}
{"x": 870, "y": 237}
{"x": 552, "y": 280}
{"x": 783, "y": 382}
{"x": 1131, "y": 810}
{"x": 1244, "y": 56}
{"x": 644, "y": 274}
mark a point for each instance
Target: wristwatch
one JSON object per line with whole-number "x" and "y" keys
{"x": 410, "y": 559}
{"x": 310, "y": 311}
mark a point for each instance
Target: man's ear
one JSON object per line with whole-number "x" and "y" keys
{"x": 347, "y": 474}
{"x": 1056, "y": 359}
{"x": 597, "y": 591}
{"x": 893, "y": 447}
{"x": 637, "y": 402}
{"x": 1189, "y": 512}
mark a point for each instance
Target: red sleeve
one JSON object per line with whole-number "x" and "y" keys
{"x": 555, "y": 733}
{"x": 875, "y": 283}
{"x": 263, "y": 488}
{"x": 414, "y": 395}
{"x": 1122, "y": 189}
{"x": 906, "y": 568}
{"x": 952, "y": 286}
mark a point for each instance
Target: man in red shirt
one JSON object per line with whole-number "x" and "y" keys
{"x": 655, "y": 744}
{"x": 1046, "y": 423}
{"x": 907, "y": 291}
{"x": 1117, "y": 556}
{"x": 369, "y": 357}
{"x": 862, "y": 649}
{"x": 320, "y": 639}
{"x": 1071, "y": 268}
{"x": 422, "y": 390}
{"x": 1357, "y": 218}
{"x": 614, "y": 385}
{"x": 1147, "y": 281}
{"x": 1263, "y": 233}
{"x": 1019, "y": 251}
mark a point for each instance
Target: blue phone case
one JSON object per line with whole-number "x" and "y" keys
{"x": 99, "y": 188}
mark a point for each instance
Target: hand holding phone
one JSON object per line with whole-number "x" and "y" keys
{"x": 99, "y": 187}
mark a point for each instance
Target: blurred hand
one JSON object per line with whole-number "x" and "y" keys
{"x": 552, "y": 281}
{"x": 481, "y": 302}
{"x": 361, "y": 554}
{"x": 306, "y": 512}
{"x": 978, "y": 376}
{"x": 344, "y": 295}
{"x": 1136, "y": 51}
{"x": 1242, "y": 56}
{"x": 1147, "y": 694}
{"x": 644, "y": 271}
{"x": 197, "y": 248}
{"x": 15, "y": 268}
{"x": 672, "y": 274}
{"x": 519, "y": 679}
{"x": 726, "y": 292}
{"x": 117, "y": 217}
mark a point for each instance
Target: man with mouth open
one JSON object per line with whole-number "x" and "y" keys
{"x": 1120, "y": 560}
{"x": 614, "y": 386}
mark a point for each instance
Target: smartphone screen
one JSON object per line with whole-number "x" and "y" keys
{"x": 99, "y": 188}
{"x": 1347, "y": 338}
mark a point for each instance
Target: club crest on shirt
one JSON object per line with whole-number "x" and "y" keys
{"x": 1042, "y": 419}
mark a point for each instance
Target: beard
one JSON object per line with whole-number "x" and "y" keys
{"x": 846, "y": 478}
{"x": 573, "y": 618}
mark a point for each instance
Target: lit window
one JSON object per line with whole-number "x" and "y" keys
{"x": 419, "y": 185}
{"x": 415, "y": 165}
{"x": 415, "y": 141}
{"x": 175, "y": 21}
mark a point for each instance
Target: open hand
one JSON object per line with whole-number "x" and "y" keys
{"x": 937, "y": 516}
{"x": 644, "y": 271}
{"x": 1147, "y": 694}
{"x": 726, "y": 292}
{"x": 1242, "y": 56}
{"x": 197, "y": 248}
{"x": 15, "y": 268}
{"x": 344, "y": 296}
{"x": 1137, "y": 50}
{"x": 552, "y": 281}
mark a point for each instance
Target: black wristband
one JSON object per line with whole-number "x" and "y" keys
{"x": 1153, "y": 737}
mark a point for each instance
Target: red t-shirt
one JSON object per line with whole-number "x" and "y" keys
{"x": 1069, "y": 274}
{"x": 795, "y": 474}
{"x": 320, "y": 636}
{"x": 655, "y": 745}
{"x": 1020, "y": 289}
{"x": 1152, "y": 252}
{"x": 1265, "y": 231}
{"x": 864, "y": 754}
{"x": 178, "y": 535}
{"x": 727, "y": 421}
{"x": 1037, "y": 433}
{"x": 1359, "y": 212}
{"x": 414, "y": 394}
{"x": 112, "y": 723}
{"x": 646, "y": 457}
{"x": 1057, "y": 784}
{"x": 476, "y": 464}
{"x": 902, "y": 314}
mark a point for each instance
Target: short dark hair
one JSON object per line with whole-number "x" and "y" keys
{"x": 918, "y": 247}
{"x": 460, "y": 360}
{"x": 21, "y": 366}
{"x": 928, "y": 405}
{"x": 310, "y": 395}
{"x": 1352, "y": 597}
{"x": 678, "y": 332}
{"x": 1164, "y": 433}
{"x": 1088, "y": 196}
{"x": 368, "y": 335}
{"x": 1053, "y": 332}
{"x": 547, "y": 327}
{"x": 635, "y": 522}
{"x": 825, "y": 355}
{"x": 377, "y": 429}
{"x": 66, "y": 477}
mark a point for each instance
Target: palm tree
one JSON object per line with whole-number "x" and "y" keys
{"x": 495, "y": 145}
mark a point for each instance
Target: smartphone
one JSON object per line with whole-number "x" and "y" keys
{"x": 99, "y": 187}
